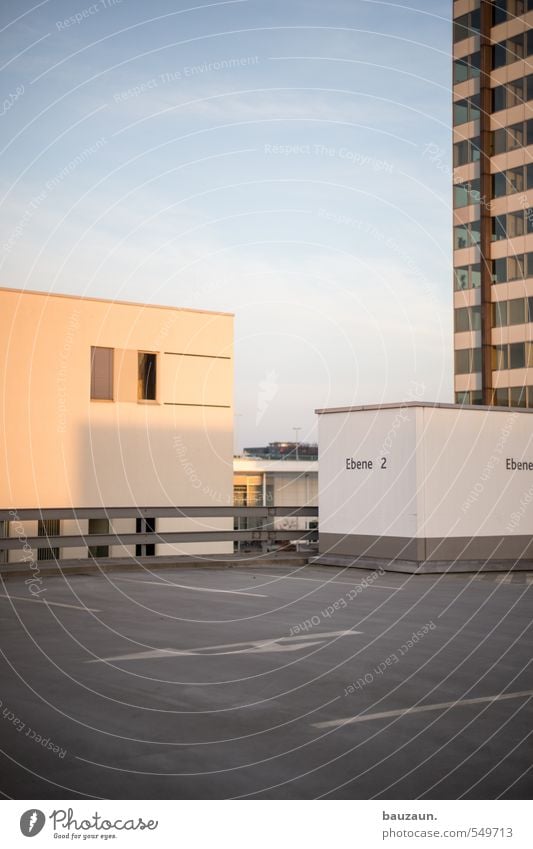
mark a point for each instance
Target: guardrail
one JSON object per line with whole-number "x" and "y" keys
{"x": 262, "y": 533}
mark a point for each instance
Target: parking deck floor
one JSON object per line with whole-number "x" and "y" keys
{"x": 266, "y": 682}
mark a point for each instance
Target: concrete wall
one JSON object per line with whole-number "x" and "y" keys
{"x": 60, "y": 449}
{"x": 444, "y": 485}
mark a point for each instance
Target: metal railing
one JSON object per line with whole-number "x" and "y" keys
{"x": 264, "y": 532}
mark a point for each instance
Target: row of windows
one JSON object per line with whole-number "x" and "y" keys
{"x": 504, "y": 357}
{"x": 467, "y": 193}
{"x": 512, "y": 224}
{"x": 515, "y": 355}
{"x": 102, "y": 377}
{"x": 503, "y": 270}
{"x": 466, "y": 151}
{"x": 466, "y": 235}
{"x": 510, "y": 138}
{"x": 512, "y": 94}
{"x": 467, "y": 68}
{"x": 467, "y": 25}
{"x": 512, "y": 181}
{"x": 504, "y": 313}
{"x": 503, "y": 10}
{"x": 512, "y": 268}
{"x": 515, "y": 311}
{"x": 467, "y": 360}
{"x": 467, "y": 277}
{"x": 466, "y": 110}
{"x": 512, "y": 49}
{"x": 514, "y": 396}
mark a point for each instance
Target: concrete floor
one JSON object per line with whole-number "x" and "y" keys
{"x": 123, "y": 686}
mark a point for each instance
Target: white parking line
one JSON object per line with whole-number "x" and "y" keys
{"x": 188, "y": 587}
{"x": 276, "y": 644}
{"x": 365, "y": 717}
{"x": 260, "y": 573}
{"x": 48, "y": 603}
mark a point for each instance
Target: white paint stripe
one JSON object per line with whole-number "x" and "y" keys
{"x": 250, "y": 646}
{"x": 187, "y": 587}
{"x": 49, "y": 603}
{"x": 325, "y": 582}
{"x": 365, "y": 717}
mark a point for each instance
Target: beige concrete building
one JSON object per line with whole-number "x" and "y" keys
{"x": 493, "y": 201}
{"x": 110, "y": 403}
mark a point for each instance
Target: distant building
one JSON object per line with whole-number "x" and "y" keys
{"x": 275, "y": 483}
{"x": 114, "y": 404}
{"x": 493, "y": 201}
{"x": 284, "y": 451}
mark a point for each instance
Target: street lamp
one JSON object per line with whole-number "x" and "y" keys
{"x": 296, "y": 433}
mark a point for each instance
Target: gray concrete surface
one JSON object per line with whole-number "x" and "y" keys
{"x": 268, "y": 682}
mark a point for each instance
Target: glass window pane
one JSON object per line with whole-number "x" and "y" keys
{"x": 101, "y": 374}
{"x": 515, "y": 224}
{"x": 462, "y": 323}
{"x": 474, "y": 149}
{"x": 529, "y": 264}
{"x": 499, "y": 357}
{"x": 499, "y": 184}
{"x": 529, "y": 306}
{"x": 515, "y": 180}
{"x": 517, "y": 311}
{"x": 475, "y": 318}
{"x": 462, "y": 361}
{"x": 515, "y": 136}
{"x": 518, "y": 396}
{"x": 529, "y": 87}
{"x": 499, "y": 270}
{"x": 515, "y": 93}
{"x": 529, "y": 132}
{"x": 499, "y": 141}
{"x": 499, "y": 228}
{"x": 499, "y": 314}
{"x": 460, "y": 153}
{"x": 501, "y": 397}
{"x": 476, "y": 359}
{"x": 460, "y": 237}
{"x": 498, "y": 98}
{"x": 460, "y": 28}
{"x": 147, "y": 377}
{"x": 475, "y": 232}
{"x": 461, "y": 278}
{"x": 517, "y": 355}
{"x": 460, "y": 71}
{"x": 515, "y": 267}
{"x": 515, "y": 48}
{"x": 475, "y": 276}
{"x": 475, "y": 64}
{"x": 499, "y": 54}
{"x": 476, "y": 396}
{"x": 461, "y": 195}
{"x": 462, "y": 397}
{"x": 460, "y": 112}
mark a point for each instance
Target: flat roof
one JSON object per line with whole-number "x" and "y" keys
{"x": 398, "y": 405}
{"x": 111, "y": 301}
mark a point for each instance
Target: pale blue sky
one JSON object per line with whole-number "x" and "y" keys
{"x": 262, "y": 157}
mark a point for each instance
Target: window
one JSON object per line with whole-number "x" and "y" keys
{"x": 466, "y": 193}
{"x": 518, "y": 396}
{"x": 466, "y": 25}
{"x": 517, "y": 355}
{"x": 499, "y": 357}
{"x": 499, "y": 314}
{"x": 48, "y": 528}
{"x": 466, "y": 235}
{"x": 467, "y": 360}
{"x": 4, "y": 532}
{"x": 515, "y": 267}
{"x": 515, "y": 180}
{"x": 98, "y": 526}
{"x": 499, "y": 184}
{"x": 499, "y": 270}
{"x": 499, "y": 228}
{"x": 101, "y": 374}
{"x": 147, "y": 379}
{"x": 501, "y": 397}
{"x": 515, "y": 93}
{"x": 145, "y": 526}
{"x": 517, "y": 313}
{"x": 466, "y": 151}
{"x": 499, "y": 99}
{"x": 467, "y": 318}
{"x": 515, "y": 224}
{"x": 466, "y": 68}
{"x": 466, "y": 110}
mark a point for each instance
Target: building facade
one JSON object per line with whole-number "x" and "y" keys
{"x": 111, "y": 404}
{"x": 274, "y": 483}
{"x": 493, "y": 201}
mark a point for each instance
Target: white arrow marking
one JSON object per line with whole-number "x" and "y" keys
{"x": 276, "y": 644}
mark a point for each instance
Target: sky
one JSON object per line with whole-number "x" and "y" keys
{"x": 288, "y": 161}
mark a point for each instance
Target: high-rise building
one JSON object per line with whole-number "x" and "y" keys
{"x": 493, "y": 201}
